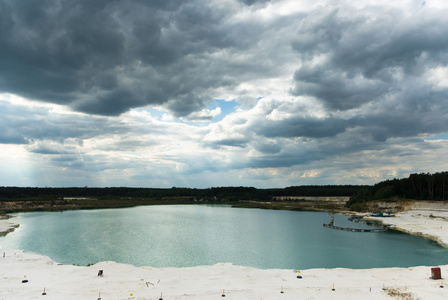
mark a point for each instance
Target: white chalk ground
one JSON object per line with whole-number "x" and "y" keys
{"x": 430, "y": 223}
{"x": 122, "y": 281}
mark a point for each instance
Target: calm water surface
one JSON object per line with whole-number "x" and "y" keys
{"x": 182, "y": 235}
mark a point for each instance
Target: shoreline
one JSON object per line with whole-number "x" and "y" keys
{"x": 122, "y": 281}
{"x": 421, "y": 219}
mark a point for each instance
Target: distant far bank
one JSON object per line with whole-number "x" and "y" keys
{"x": 423, "y": 186}
{"x": 15, "y": 199}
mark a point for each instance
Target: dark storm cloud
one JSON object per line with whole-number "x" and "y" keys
{"x": 337, "y": 89}
{"x": 23, "y": 125}
{"x": 350, "y": 58}
{"x": 105, "y": 57}
{"x": 283, "y": 160}
{"x": 241, "y": 143}
{"x": 417, "y": 111}
{"x": 302, "y": 127}
{"x": 252, "y": 2}
{"x": 49, "y": 149}
{"x": 268, "y": 147}
{"x": 8, "y": 136}
{"x": 308, "y": 150}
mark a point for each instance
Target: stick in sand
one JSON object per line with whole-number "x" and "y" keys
{"x": 99, "y": 296}
{"x": 223, "y": 295}
{"x": 44, "y": 293}
{"x": 333, "y": 288}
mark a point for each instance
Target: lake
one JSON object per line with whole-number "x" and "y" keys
{"x": 193, "y": 235}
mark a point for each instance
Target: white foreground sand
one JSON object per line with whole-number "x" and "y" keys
{"x": 122, "y": 281}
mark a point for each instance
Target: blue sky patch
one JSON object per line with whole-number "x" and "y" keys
{"x": 227, "y": 107}
{"x": 443, "y": 136}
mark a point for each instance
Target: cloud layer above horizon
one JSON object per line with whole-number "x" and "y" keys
{"x": 216, "y": 93}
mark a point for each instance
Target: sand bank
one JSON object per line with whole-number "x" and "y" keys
{"x": 426, "y": 219}
{"x": 120, "y": 281}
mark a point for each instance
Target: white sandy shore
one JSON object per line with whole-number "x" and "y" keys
{"x": 422, "y": 221}
{"x": 120, "y": 281}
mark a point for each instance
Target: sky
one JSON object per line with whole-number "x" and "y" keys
{"x": 205, "y": 93}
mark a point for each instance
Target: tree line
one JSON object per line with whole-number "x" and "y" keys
{"x": 422, "y": 186}
{"x": 214, "y": 193}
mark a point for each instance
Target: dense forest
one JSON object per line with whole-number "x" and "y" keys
{"x": 214, "y": 193}
{"x": 423, "y": 186}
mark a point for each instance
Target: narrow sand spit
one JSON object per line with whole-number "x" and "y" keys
{"x": 7, "y": 226}
{"x": 120, "y": 281}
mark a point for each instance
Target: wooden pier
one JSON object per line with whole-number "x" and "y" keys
{"x": 331, "y": 225}
{"x": 356, "y": 229}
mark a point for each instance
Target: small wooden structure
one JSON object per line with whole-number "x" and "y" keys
{"x": 436, "y": 273}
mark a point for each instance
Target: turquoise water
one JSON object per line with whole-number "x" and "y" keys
{"x": 182, "y": 235}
